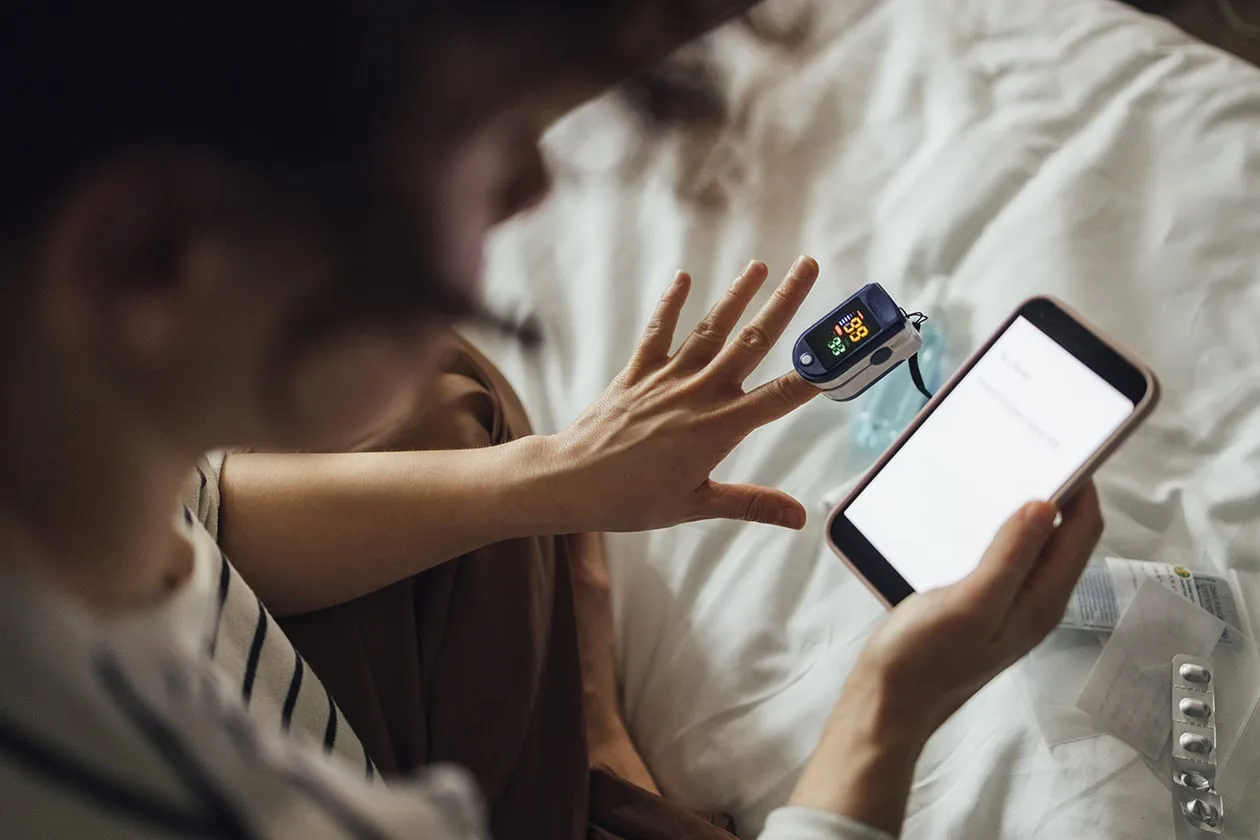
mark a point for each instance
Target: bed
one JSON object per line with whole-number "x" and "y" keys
{"x": 966, "y": 154}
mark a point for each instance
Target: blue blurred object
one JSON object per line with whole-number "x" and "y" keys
{"x": 889, "y": 406}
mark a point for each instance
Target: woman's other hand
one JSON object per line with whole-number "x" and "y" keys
{"x": 640, "y": 456}
{"x": 936, "y": 649}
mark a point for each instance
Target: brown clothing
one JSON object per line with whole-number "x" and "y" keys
{"x": 475, "y": 662}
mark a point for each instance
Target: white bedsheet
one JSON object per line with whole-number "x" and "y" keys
{"x": 1014, "y": 147}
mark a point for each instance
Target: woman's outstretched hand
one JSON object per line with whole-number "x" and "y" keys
{"x": 640, "y": 456}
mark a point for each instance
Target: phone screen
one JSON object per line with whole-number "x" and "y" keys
{"x": 1014, "y": 429}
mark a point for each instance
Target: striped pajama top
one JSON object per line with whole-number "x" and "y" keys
{"x": 196, "y": 719}
{"x": 249, "y": 646}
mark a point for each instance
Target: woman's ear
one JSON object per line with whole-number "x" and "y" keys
{"x": 125, "y": 265}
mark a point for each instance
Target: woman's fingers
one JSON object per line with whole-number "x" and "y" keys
{"x": 738, "y": 359}
{"x": 1040, "y": 605}
{"x": 707, "y": 338}
{"x": 659, "y": 335}
{"x": 1009, "y": 560}
{"x": 777, "y": 398}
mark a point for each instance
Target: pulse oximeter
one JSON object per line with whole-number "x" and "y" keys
{"x": 857, "y": 344}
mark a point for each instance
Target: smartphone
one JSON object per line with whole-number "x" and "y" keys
{"x": 1028, "y": 417}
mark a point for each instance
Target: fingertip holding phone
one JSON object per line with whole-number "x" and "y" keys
{"x": 1031, "y": 415}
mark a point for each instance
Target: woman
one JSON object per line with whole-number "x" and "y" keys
{"x": 225, "y": 225}
{"x": 313, "y": 532}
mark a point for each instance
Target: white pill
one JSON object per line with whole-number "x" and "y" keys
{"x": 1195, "y": 743}
{"x": 1195, "y": 708}
{"x": 1195, "y": 673}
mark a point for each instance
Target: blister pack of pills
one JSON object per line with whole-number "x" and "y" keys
{"x": 1194, "y": 744}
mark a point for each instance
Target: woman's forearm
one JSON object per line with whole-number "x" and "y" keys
{"x": 864, "y": 763}
{"x": 312, "y": 530}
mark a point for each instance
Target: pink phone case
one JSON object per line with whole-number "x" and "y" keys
{"x": 1140, "y": 413}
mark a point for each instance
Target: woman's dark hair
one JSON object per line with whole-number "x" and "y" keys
{"x": 267, "y": 85}
{"x": 294, "y": 94}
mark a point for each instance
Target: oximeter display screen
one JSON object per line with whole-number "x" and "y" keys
{"x": 838, "y": 337}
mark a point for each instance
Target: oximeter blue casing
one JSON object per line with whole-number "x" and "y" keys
{"x": 856, "y": 344}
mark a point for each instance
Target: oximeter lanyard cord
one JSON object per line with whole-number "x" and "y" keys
{"x": 917, "y": 376}
{"x": 916, "y": 320}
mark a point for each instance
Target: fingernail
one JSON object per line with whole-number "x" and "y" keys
{"x": 793, "y": 518}
{"x": 750, "y": 265}
{"x": 801, "y": 262}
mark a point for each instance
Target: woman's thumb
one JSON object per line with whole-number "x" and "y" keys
{"x": 751, "y": 503}
{"x": 1012, "y": 555}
